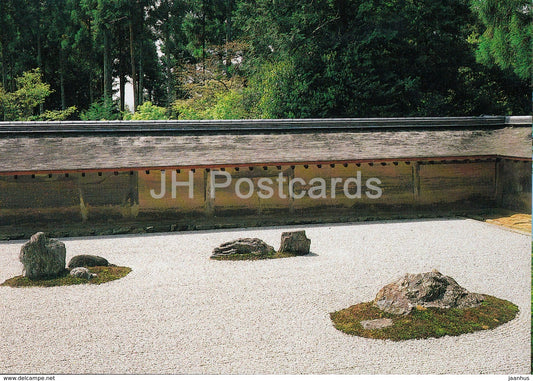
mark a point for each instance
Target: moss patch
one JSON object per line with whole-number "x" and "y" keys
{"x": 105, "y": 274}
{"x": 422, "y": 323}
{"x": 253, "y": 257}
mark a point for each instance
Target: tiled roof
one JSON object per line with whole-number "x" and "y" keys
{"x": 91, "y": 150}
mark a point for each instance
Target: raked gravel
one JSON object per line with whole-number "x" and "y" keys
{"x": 178, "y": 312}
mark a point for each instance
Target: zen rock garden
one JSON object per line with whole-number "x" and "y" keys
{"x": 415, "y": 306}
{"x": 423, "y": 305}
{"x": 43, "y": 260}
{"x": 292, "y": 244}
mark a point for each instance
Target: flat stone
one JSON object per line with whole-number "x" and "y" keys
{"x": 82, "y": 272}
{"x": 376, "y": 323}
{"x": 253, "y": 246}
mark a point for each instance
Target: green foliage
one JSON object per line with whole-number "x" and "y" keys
{"x": 188, "y": 109}
{"x": 30, "y": 93}
{"x": 199, "y": 103}
{"x": 102, "y": 110}
{"x": 367, "y": 59}
{"x": 213, "y": 93}
{"x": 508, "y": 38}
{"x": 148, "y": 111}
{"x": 224, "y": 104}
{"x": 276, "y": 91}
{"x": 292, "y": 59}
{"x": 57, "y": 114}
{"x": 229, "y": 105}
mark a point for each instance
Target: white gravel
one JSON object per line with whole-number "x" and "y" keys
{"x": 178, "y": 312}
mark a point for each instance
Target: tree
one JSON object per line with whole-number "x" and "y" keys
{"x": 148, "y": 111}
{"x": 265, "y": 58}
{"x": 167, "y": 18}
{"x": 507, "y": 39}
{"x": 30, "y": 93}
{"x": 338, "y": 58}
{"x": 9, "y": 39}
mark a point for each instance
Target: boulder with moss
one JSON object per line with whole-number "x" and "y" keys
{"x": 42, "y": 257}
{"x": 431, "y": 289}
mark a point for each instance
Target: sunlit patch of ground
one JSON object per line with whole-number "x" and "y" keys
{"x": 518, "y": 221}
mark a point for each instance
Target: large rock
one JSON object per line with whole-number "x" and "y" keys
{"x": 430, "y": 289}
{"x": 42, "y": 257}
{"x": 87, "y": 261}
{"x": 295, "y": 243}
{"x": 253, "y": 246}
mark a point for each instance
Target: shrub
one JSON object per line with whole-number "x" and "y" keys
{"x": 148, "y": 111}
{"x": 102, "y": 110}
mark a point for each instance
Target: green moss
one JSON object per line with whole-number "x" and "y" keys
{"x": 105, "y": 274}
{"x": 424, "y": 323}
{"x": 253, "y": 257}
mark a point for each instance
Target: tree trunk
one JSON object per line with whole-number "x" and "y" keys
{"x": 140, "y": 90}
{"x": 108, "y": 81}
{"x": 170, "y": 83}
{"x": 228, "y": 34}
{"x": 62, "y": 79}
{"x": 91, "y": 91}
{"x": 133, "y": 67}
{"x": 122, "y": 86}
{"x": 40, "y": 60}
{"x": 91, "y": 78}
{"x": 12, "y": 86}
{"x": 203, "y": 39}
{"x": 168, "y": 63}
{"x": 3, "y": 63}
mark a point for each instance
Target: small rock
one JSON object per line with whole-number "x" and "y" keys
{"x": 87, "y": 261}
{"x": 121, "y": 230}
{"x": 376, "y": 323}
{"x": 42, "y": 257}
{"x": 82, "y": 272}
{"x": 425, "y": 290}
{"x": 253, "y": 246}
{"x": 295, "y": 243}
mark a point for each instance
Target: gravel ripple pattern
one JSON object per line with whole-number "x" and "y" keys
{"x": 178, "y": 312}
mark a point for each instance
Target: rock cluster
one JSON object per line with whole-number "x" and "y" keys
{"x": 431, "y": 289}
{"x": 295, "y": 243}
{"x": 42, "y": 257}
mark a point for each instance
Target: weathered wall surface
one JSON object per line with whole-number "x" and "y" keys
{"x": 514, "y": 185}
{"x": 338, "y": 189}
